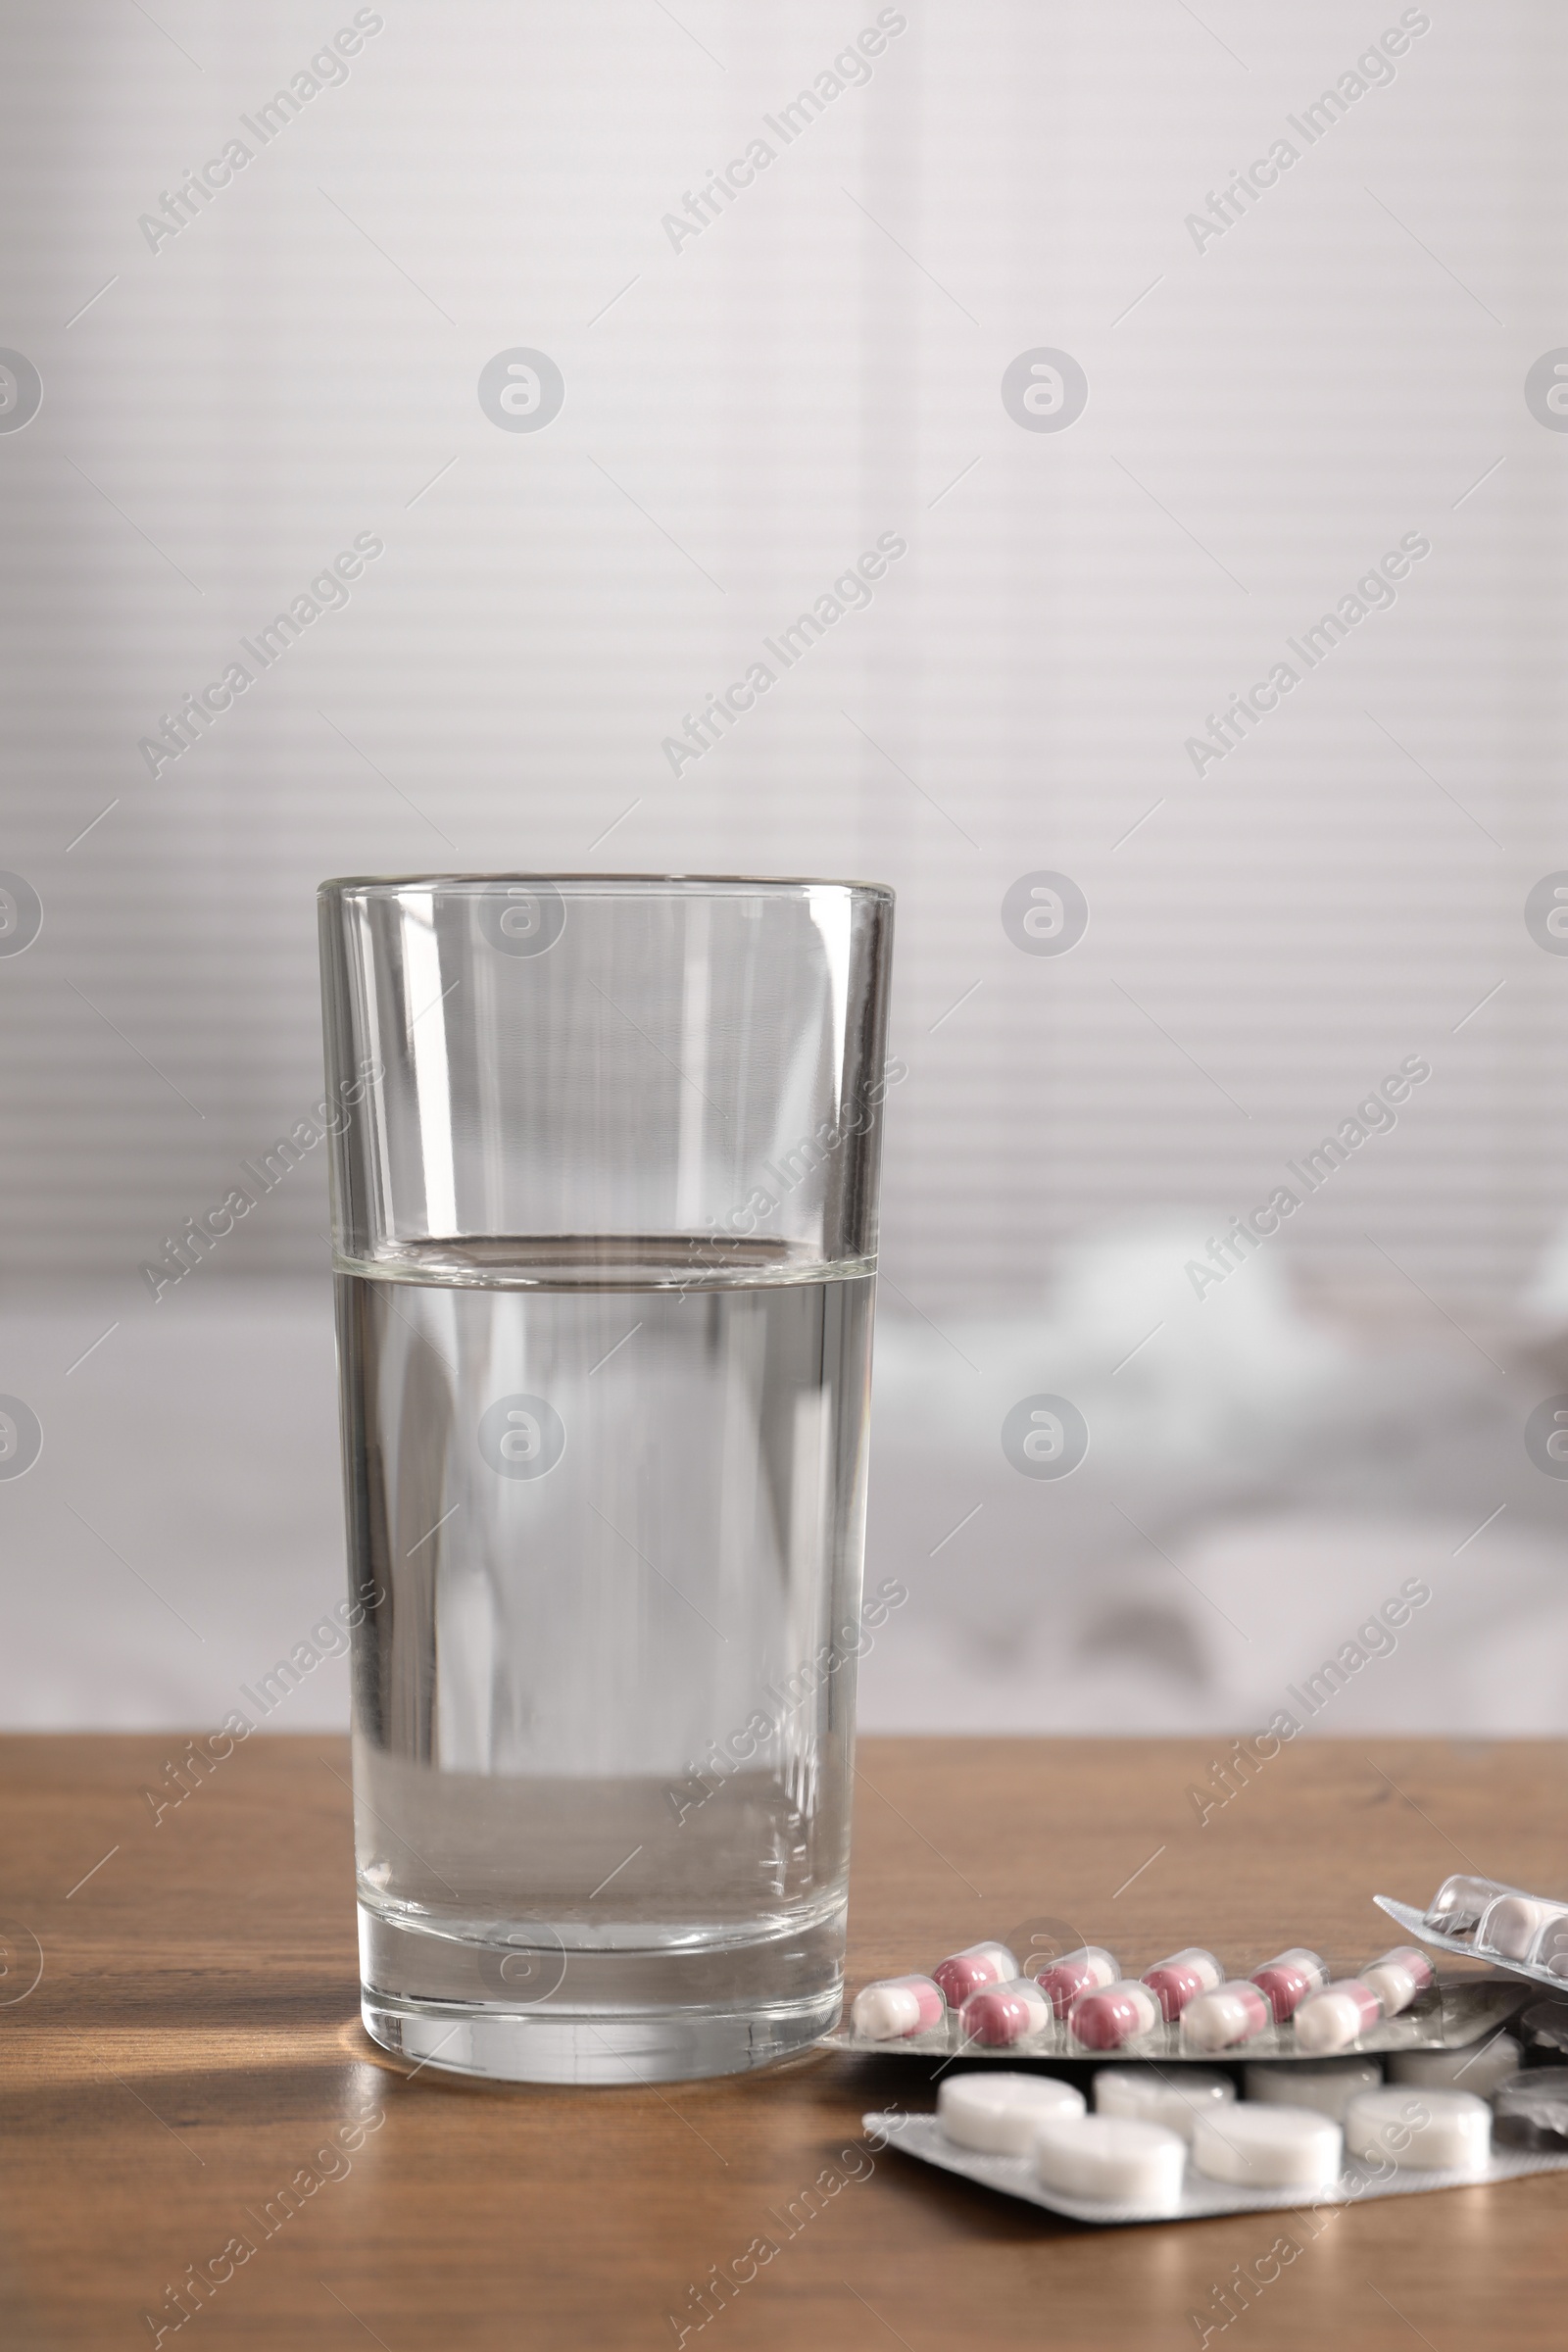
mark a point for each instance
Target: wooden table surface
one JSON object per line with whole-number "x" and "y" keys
{"x": 193, "y": 2046}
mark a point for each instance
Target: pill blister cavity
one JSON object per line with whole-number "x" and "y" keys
{"x": 1420, "y": 2130}
{"x": 1000, "y": 2113}
{"x": 1268, "y": 2148}
{"x": 1113, "y": 2158}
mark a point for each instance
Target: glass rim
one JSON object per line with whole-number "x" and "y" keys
{"x": 585, "y": 885}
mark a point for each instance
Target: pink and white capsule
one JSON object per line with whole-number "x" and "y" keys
{"x": 1108, "y": 2015}
{"x": 1288, "y": 1979}
{"x": 1331, "y": 2020}
{"x": 1000, "y": 2014}
{"x": 1181, "y": 1978}
{"x": 1219, "y": 2020}
{"x": 1397, "y": 1977}
{"x": 1063, "y": 1979}
{"x": 966, "y": 1971}
{"x": 895, "y": 2007}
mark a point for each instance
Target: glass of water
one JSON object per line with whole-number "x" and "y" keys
{"x": 604, "y": 1190}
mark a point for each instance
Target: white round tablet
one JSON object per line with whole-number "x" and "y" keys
{"x": 999, "y": 2113}
{"x": 1479, "y": 2067}
{"x": 1421, "y": 2131}
{"x": 1146, "y": 2096}
{"x": 1110, "y": 2157}
{"x": 1268, "y": 2148}
{"x": 1325, "y": 2085}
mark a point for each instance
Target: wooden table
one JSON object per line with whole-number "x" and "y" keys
{"x": 193, "y": 2048}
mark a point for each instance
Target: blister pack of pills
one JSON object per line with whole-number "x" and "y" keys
{"x": 1483, "y": 1920}
{"x": 979, "y": 2002}
{"x": 1178, "y": 2146}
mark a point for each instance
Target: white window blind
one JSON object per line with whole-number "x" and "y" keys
{"x": 811, "y": 369}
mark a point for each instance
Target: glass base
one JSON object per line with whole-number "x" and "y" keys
{"x": 524, "y": 2009}
{"x": 541, "y": 2046}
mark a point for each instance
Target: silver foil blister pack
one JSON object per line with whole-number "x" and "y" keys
{"x": 1446, "y": 2017}
{"x": 1201, "y": 2198}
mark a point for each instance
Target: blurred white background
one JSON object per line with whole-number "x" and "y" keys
{"x": 236, "y": 389}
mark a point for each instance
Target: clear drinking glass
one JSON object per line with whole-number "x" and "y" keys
{"x": 605, "y": 1184}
